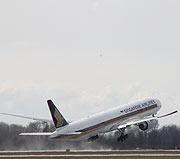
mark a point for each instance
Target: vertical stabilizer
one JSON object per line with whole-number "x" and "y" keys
{"x": 57, "y": 117}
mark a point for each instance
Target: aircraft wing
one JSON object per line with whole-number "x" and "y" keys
{"x": 167, "y": 114}
{"x": 135, "y": 122}
{"x": 138, "y": 121}
{"x": 20, "y": 116}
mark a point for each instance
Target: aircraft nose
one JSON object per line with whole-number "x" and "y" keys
{"x": 158, "y": 103}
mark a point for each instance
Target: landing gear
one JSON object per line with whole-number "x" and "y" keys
{"x": 93, "y": 138}
{"x": 122, "y": 137}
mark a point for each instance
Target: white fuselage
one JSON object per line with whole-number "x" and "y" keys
{"x": 108, "y": 120}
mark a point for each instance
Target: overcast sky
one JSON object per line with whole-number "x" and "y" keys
{"x": 88, "y": 56}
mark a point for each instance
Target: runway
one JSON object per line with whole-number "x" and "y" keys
{"x": 148, "y": 154}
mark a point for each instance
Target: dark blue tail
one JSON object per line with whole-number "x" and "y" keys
{"x": 57, "y": 117}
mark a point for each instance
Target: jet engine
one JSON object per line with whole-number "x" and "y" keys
{"x": 148, "y": 125}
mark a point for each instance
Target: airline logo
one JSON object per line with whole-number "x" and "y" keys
{"x": 59, "y": 118}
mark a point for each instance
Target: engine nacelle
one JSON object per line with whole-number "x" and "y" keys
{"x": 148, "y": 125}
{"x": 143, "y": 126}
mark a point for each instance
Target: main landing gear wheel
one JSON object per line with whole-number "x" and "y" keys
{"x": 122, "y": 137}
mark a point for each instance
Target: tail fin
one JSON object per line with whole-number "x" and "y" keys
{"x": 57, "y": 117}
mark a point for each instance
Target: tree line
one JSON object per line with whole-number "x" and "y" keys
{"x": 166, "y": 137}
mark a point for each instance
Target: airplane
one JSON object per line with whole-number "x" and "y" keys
{"x": 141, "y": 114}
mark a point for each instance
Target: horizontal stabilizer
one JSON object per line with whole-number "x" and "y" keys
{"x": 36, "y": 134}
{"x": 74, "y": 133}
{"x": 65, "y": 135}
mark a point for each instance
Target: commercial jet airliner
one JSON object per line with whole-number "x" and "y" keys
{"x": 141, "y": 114}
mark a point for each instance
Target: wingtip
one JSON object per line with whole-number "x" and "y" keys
{"x": 171, "y": 113}
{"x": 174, "y": 112}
